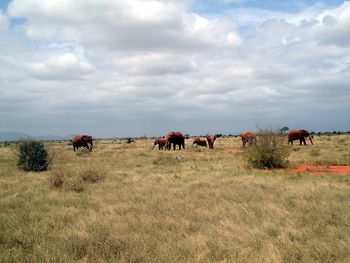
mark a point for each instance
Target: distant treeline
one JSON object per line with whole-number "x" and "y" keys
{"x": 187, "y": 136}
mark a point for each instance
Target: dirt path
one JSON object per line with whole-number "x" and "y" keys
{"x": 315, "y": 169}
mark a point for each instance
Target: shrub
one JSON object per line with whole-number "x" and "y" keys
{"x": 33, "y": 156}
{"x": 76, "y": 184}
{"x": 270, "y": 150}
{"x": 92, "y": 175}
{"x": 57, "y": 180}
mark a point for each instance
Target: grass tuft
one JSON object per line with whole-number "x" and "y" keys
{"x": 92, "y": 175}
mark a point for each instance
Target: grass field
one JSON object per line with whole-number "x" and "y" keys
{"x": 125, "y": 203}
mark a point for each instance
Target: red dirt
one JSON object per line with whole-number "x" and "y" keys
{"x": 314, "y": 169}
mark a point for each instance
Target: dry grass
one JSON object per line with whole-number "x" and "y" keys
{"x": 138, "y": 205}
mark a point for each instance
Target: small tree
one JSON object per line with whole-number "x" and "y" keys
{"x": 33, "y": 156}
{"x": 270, "y": 150}
{"x": 284, "y": 129}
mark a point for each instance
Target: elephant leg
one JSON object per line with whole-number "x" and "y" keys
{"x": 86, "y": 145}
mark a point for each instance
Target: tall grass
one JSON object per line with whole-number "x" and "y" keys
{"x": 154, "y": 207}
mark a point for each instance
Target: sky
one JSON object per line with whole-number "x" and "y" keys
{"x": 115, "y": 68}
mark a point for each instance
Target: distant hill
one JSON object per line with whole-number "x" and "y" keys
{"x": 13, "y": 136}
{"x": 16, "y": 136}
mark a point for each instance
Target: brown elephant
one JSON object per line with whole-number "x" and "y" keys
{"x": 82, "y": 141}
{"x": 161, "y": 143}
{"x": 200, "y": 142}
{"x": 175, "y": 138}
{"x": 299, "y": 135}
{"x": 211, "y": 139}
{"x": 248, "y": 137}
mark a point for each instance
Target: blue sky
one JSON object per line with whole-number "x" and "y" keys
{"x": 129, "y": 68}
{"x": 215, "y": 6}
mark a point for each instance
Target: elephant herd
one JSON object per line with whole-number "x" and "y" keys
{"x": 250, "y": 137}
{"x": 178, "y": 139}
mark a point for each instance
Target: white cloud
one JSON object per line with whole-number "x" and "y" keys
{"x": 3, "y": 22}
{"x": 65, "y": 66}
{"x": 150, "y": 66}
{"x": 156, "y": 64}
{"x": 133, "y": 24}
{"x": 333, "y": 26}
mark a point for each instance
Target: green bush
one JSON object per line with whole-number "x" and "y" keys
{"x": 270, "y": 150}
{"x": 33, "y": 156}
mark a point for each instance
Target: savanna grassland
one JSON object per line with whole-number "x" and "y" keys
{"x": 125, "y": 203}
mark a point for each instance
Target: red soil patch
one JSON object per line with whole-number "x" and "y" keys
{"x": 317, "y": 169}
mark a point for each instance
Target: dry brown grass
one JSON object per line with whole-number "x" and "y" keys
{"x": 182, "y": 206}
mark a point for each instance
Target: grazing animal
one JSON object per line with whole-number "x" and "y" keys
{"x": 211, "y": 139}
{"x": 299, "y": 135}
{"x": 161, "y": 143}
{"x": 200, "y": 141}
{"x": 175, "y": 138}
{"x": 248, "y": 137}
{"x": 82, "y": 141}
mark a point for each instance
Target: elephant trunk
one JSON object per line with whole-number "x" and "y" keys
{"x": 311, "y": 140}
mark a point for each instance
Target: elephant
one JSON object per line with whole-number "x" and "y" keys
{"x": 211, "y": 139}
{"x": 82, "y": 141}
{"x": 161, "y": 143}
{"x": 248, "y": 137}
{"x": 175, "y": 138}
{"x": 200, "y": 142}
{"x": 299, "y": 135}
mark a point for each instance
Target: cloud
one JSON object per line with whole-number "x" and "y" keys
{"x": 134, "y": 24}
{"x": 156, "y": 64}
{"x": 136, "y": 67}
{"x": 3, "y": 22}
{"x": 333, "y": 26}
{"x": 65, "y": 66}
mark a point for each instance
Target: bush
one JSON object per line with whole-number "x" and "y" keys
{"x": 56, "y": 180}
{"x": 270, "y": 150}
{"x": 33, "y": 156}
{"x": 92, "y": 175}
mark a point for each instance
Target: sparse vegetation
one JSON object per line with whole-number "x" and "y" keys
{"x": 76, "y": 180}
{"x": 149, "y": 206}
{"x": 270, "y": 150}
{"x": 33, "y": 156}
{"x": 92, "y": 175}
{"x": 83, "y": 151}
